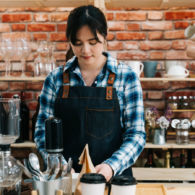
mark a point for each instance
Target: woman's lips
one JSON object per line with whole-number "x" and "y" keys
{"x": 86, "y": 57}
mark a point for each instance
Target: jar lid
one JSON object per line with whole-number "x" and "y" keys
{"x": 123, "y": 180}
{"x": 93, "y": 178}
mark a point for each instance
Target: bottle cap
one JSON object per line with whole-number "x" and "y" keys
{"x": 123, "y": 180}
{"x": 93, "y": 178}
{"x": 53, "y": 135}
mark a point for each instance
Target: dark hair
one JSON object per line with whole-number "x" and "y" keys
{"x": 88, "y": 15}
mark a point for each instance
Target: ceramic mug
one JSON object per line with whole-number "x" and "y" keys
{"x": 177, "y": 71}
{"x": 150, "y": 68}
{"x": 137, "y": 66}
{"x": 170, "y": 63}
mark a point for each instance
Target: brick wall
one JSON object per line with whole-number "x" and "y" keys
{"x": 133, "y": 34}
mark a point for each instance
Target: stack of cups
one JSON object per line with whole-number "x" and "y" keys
{"x": 123, "y": 185}
{"x": 92, "y": 184}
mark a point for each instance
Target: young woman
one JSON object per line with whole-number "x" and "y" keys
{"x": 98, "y": 99}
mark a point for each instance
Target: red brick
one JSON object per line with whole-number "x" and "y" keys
{"x": 18, "y": 27}
{"x": 131, "y": 16}
{"x": 41, "y": 9}
{"x": 155, "y": 95}
{"x": 61, "y": 27}
{"x": 130, "y": 45}
{"x": 179, "y": 15}
{"x": 3, "y": 86}
{"x": 32, "y": 105}
{"x": 157, "y": 55}
{"x": 137, "y": 55}
{"x": 17, "y": 85}
{"x": 160, "y": 25}
{"x": 58, "y": 37}
{"x": 133, "y": 26}
{"x": 39, "y": 36}
{"x": 61, "y": 46}
{"x": 110, "y": 36}
{"x": 17, "y": 35}
{"x": 130, "y": 36}
{"x": 155, "y": 35}
{"x": 39, "y": 17}
{"x": 116, "y": 26}
{"x": 181, "y": 25}
{"x": 16, "y": 18}
{"x": 114, "y": 45}
{"x": 109, "y": 16}
{"x": 179, "y": 85}
{"x": 4, "y": 28}
{"x": 59, "y": 17}
{"x": 174, "y": 34}
{"x": 155, "y": 45}
{"x": 179, "y": 44}
{"x": 34, "y": 86}
{"x": 41, "y": 27}
{"x": 157, "y": 104}
{"x": 60, "y": 56}
{"x": 158, "y": 85}
{"x": 176, "y": 55}
{"x": 155, "y": 15}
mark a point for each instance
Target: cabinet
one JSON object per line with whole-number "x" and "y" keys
{"x": 167, "y": 174}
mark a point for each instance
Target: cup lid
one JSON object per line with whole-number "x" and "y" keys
{"x": 93, "y": 178}
{"x": 123, "y": 180}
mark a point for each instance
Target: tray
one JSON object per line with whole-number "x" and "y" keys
{"x": 150, "y": 189}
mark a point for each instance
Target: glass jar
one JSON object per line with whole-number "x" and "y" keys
{"x": 192, "y": 102}
{"x": 185, "y": 102}
{"x": 10, "y": 173}
{"x": 172, "y": 103}
{"x": 182, "y": 133}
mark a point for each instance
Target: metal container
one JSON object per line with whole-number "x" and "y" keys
{"x": 50, "y": 187}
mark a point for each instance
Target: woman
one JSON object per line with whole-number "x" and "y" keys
{"x": 98, "y": 99}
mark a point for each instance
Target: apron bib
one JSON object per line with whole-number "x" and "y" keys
{"x": 90, "y": 115}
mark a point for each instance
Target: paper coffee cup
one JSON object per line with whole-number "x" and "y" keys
{"x": 92, "y": 183}
{"x": 123, "y": 185}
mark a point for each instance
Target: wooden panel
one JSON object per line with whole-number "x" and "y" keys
{"x": 164, "y": 174}
{"x": 148, "y": 189}
{"x": 180, "y": 190}
{"x": 149, "y": 3}
{"x": 171, "y": 145}
{"x": 44, "y": 3}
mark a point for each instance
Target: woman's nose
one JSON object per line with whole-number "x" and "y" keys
{"x": 85, "y": 48}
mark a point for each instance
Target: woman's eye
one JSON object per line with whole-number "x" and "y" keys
{"x": 92, "y": 42}
{"x": 78, "y": 43}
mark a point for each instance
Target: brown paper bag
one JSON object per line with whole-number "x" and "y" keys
{"x": 87, "y": 167}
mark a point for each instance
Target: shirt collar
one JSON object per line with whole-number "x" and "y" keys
{"x": 111, "y": 63}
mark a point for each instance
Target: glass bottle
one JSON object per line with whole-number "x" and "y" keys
{"x": 10, "y": 173}
{"x": 167, "y": 160}
{"x": 25, "y": 115}
{"x": 172, "y": 102}
{"x": 189, "y": 163}
{"x": 182, "y": 159}
{"x": 185, "y": 102}
{"x": 172, "y": 164}
{"x": 34, "y": 117}
{"x": 150, "y": 162}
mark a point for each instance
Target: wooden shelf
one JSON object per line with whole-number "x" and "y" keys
{"x": 171, "y": 145}
{"x": 24, "y": 145}
{"x": 166, "y": 79}
{"x": 33, "y": 79}
{"x": 141, "y": 79}
{"x": 164, "y": 174}
{"x": 184, "y": 110}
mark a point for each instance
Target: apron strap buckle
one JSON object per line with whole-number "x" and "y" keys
{"x": 109, "y": 90}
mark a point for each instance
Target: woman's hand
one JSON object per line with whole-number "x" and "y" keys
{"x": 105, "y": 170}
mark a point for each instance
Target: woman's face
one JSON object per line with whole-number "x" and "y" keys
{"x": 87, "y": 49}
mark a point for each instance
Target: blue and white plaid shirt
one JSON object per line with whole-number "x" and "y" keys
{"x": 130, "y": 98}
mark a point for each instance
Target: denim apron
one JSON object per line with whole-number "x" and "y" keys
{"x": 90, "y": 115}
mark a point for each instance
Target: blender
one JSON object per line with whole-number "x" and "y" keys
{"x": 10, "y": 171}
